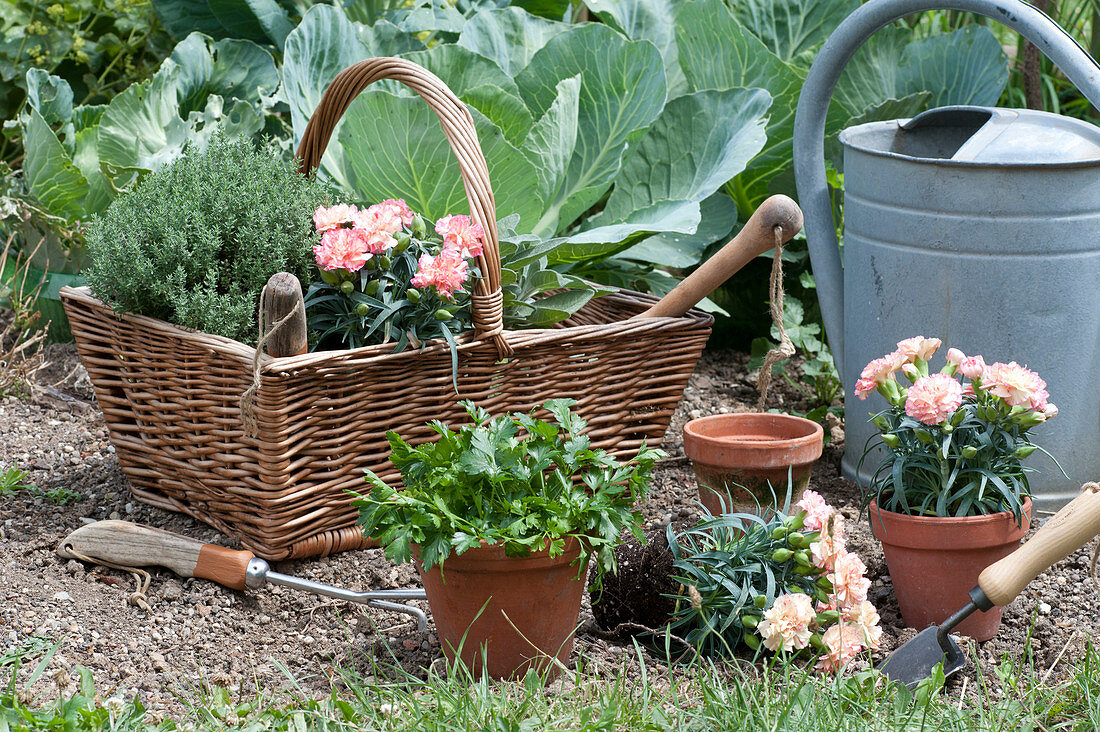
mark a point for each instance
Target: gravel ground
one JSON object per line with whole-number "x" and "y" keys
{"x": 196, "y": 633}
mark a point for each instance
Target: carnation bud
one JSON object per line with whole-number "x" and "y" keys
{"x": 795, "y": 539}
{"x": 751, "y": 641}
{"x": 385, "y": 262}
{"x": 1024, "y": 450}
{"x": 780, "y": 531}
{"x": 911, "y": 372}
{"x": 817, "y": 642}
{"x": 782, "y": 554}
{"x": 413, "y": 294}
{"x": 881, "y": 422}
{"x": 362, "y": 310}
{"x": 923, "y": 436}
{"x": 955, "y": 356}
{"x": 443, "y": 314}
{"x": 418, "y": 226}
{"x": 970, "y": 452}
{"x": 891, "y": 440}
{"x": 347, "y": 287}
{"x": 1029, "y": 419}
{"x": 371, "y": 264}
{"x": 750, "y": 621}
{"x": 330, "y": 277}
{"x": 957, "y": 417}
{"x": 794, "y": 523}
{"x": 760, "y": 601}
{"x": 371, "y": 287}
{"x": 804, "y": 570}
{"x": 403, "y": 242}
{"x": 803, "y": 558}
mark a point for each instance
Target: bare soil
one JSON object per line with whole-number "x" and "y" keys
{"x": 196, "y": 633}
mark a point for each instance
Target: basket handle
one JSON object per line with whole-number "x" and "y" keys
{"x": 486, "y": 299}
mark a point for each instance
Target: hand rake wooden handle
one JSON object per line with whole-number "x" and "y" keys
{"x": 1069, "y": 530}
{"x": 755, "y": 238}
{"x": 129, "y": 545}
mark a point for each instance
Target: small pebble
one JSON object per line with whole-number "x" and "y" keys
{"x": 1044, "y": 608}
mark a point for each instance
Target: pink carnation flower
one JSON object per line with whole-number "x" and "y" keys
{"x": 955, "y": 356}
{"x": 849, "y": 583}
{"x": 1050, "y": 410}
{"x": 1017, "y": 385}
{"x": 326, "y": 219}
{"x": 829, "y": 547}
{"x": 446, "y": 271}
{"x": 918, "y": 347}
{"x": 865, "y": 619}
{"x": 817, "y": 511}
{"x": 342, "y": 249}
{"x": 932, "y": 399}
{"x": 972, "y": 367}
{"x": 400, "y": 209}
{"x": 786, "y": 624}
{"x": 460, "y": 233}
{"x": 843, "y": 643}
{"x": 878, "y": 372}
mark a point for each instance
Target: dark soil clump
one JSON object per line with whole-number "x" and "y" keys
{"x": 638, "y": 595}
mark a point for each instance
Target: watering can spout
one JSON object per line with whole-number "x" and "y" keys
{"x": 813, "y": 104}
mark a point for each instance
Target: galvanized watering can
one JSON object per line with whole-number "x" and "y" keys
{"x": 979, "y": 226}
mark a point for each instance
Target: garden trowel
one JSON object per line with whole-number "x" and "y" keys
{"x": 122, "y": 545}
{"x": 999, "y": 583}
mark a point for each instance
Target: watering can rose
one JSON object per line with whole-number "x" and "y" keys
{"x": 955, "y": 438}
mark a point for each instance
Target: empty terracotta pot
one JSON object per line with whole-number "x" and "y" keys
{"x": 934, "y": 562}
{"x": 746, "y": 459}
{"x": 539, "y": 595}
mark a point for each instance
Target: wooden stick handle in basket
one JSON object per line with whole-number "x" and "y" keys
{"x": 458, "y": 126}
{"x": 756, "y": 237}
{"x": 125, "y": 544}
{"x": 1069, "y": 530}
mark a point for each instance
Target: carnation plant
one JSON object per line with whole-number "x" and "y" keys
{"x": 385, "y": 277}
{"x": 956, "y": 439}
{"x": 785, "y": 583}
{"x": 388, "y": 276}
{"x": 515, "y": 481}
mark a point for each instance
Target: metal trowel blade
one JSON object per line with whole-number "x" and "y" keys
{"x": 914, "y": 661}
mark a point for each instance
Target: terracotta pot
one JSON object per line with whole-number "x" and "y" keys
{"x": 935, "y": 562}
{"x": 540, "y": 595}
{"x": 747, "y": 458}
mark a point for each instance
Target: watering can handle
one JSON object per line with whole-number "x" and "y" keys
{"x": 817, "y": 91}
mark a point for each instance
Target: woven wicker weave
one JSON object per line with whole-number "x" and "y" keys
{"x": 171, "y": 396}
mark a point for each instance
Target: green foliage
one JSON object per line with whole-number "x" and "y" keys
{"x": 98, "y": 47}
{"x": 579, "y": 137}
{"x": 733, "y": 567}
{"x": 59, "y": 496}
{"x": 516, "y": 481}
{"x": 12, "y": 480}
{"x": 195, "y": 243}
{"x": 819, "y": 376}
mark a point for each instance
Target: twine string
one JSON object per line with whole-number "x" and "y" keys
{"x": 785, "y": 349}
{"x": 248, "y": 398}
{"x": 142, "y": 578}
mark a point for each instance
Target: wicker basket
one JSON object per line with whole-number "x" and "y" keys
{"x": 171, "y": 396}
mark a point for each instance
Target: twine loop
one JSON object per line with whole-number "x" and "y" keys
{"x": 786, "y": 347}
{"x": 248, "y": 398}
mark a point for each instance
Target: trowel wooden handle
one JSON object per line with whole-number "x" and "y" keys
{"x": 755, "y": 238}
{"x": 1069, "y": 530}
{"x": 131, "y": 545}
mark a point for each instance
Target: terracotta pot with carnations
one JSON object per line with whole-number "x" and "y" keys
{"x": 951, "y": 495}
